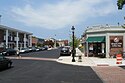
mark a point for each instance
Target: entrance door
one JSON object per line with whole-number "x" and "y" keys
{"x": 97, "y": 48}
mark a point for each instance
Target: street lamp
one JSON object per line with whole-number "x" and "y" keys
{"x": 73, "y": 50}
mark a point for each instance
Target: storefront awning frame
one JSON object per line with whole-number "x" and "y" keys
{"x": 96, "y": 39}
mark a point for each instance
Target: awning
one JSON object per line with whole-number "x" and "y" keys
{"x": 96, "y": 39}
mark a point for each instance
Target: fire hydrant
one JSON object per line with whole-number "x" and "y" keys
{"x": 79, "y": 58}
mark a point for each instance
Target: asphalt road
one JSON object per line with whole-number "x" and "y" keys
{"x": 44, "y": 54}
{"x": 45, "y": 71}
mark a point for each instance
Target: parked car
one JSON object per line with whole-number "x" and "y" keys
{"x": 24, "y": 50}
{"x": 43, "y": 48}
{"x": 65, "y": 51}
{"x": 9, "y": 51}
{"x": 4, "y": 62}
{"x": 37, "y": 49}
{"x": 30, "y": 49}
{"x": 34, "y": 49}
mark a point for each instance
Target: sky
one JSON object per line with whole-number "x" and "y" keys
{"x": 54, "y": 18}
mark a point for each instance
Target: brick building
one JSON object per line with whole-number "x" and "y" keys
{"x": 63, "y": 42}
{"x": 34, "y": 41}
{"x": 104, "y": 41}
{"x": 14, "y": 38}
{"x": 37, "y": 41}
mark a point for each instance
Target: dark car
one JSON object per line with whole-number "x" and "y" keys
{"x": 34, "y": 49}
{"x": 4, "y": 62}
{"x": 43, "y": 48}
{"x": 65, "y": 51}
{"x": 9, "y": 51}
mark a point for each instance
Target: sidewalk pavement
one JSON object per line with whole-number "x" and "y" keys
{"x": 89, "y": 61}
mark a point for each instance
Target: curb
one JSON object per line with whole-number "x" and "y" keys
{"x": 103, "y": 64}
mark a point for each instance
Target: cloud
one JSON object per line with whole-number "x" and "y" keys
{"x": 63, "y": 13}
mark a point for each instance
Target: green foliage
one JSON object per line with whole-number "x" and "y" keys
{"x": 120, "y": 3}
{"x": 39, "y": 45}
{"x": 123, "y": 25}
{"x": 49, "y": 43}
{"x": 76, "y": 42}
{"x": 57, "y": 44}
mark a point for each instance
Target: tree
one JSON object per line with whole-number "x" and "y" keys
{"x": 49, "y": 43}
{"x": 76, "y": 42}
{"x": 120, "y": 4}
{"x": 39, "y": 45}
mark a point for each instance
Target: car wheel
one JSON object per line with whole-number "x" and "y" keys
{"x": 9, "y": 65}
{"x": 15, "y": 53}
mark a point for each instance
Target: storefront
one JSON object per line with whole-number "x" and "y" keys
{"x": 104, "y": 41}
{"x": 96, "y": 46}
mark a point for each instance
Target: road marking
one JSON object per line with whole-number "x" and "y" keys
{"x": 33, "y": 58}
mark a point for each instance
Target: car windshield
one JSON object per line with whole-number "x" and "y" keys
{"x": 23, "y": 48}
{"x": 64, "y": 48}
{"x": 8, "y": 49}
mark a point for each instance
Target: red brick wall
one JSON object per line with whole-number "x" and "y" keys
{"x": 34, "y": 41}
{"x": 66, "y": 42}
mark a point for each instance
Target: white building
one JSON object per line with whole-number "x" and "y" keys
{"x": 14, "y": 38}
{"x": 104, "y": 41}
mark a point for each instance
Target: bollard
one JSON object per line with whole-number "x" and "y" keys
{"x": 119, "y": 59}
{"x": 80, "y": 59}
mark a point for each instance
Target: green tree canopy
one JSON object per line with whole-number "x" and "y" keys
{"x": 76, "y": 42}
{"x": 120, "y": 3}
{"x": 49, "y": 43}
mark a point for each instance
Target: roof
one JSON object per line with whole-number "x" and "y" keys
{"x": 105, "y": 29}
{"x": 13, "y": 29}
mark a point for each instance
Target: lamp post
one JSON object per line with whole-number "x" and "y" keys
{"x": 73, "y": 50}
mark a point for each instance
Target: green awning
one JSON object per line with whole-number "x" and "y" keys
{"x": 96, "y": 39}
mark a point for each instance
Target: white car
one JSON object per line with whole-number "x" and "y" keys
{"x": 24, "y": 50}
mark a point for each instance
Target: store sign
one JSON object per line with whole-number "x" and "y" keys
{"x": 116, "y": 41}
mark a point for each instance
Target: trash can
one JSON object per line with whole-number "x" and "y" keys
{"x": 80, "y": 58}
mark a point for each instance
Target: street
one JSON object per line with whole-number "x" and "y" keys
{"x": 46, "y": 70}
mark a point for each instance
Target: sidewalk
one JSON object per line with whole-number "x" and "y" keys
{"x": 89, "y": 61}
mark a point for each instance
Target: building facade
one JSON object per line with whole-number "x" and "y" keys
{"x": 14, "y": 38}
{"x": 37, "y": 42}
{"x": 104, "y": 41}
{"x": 34, "y": 41}
{"x": 63, "y": 43}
